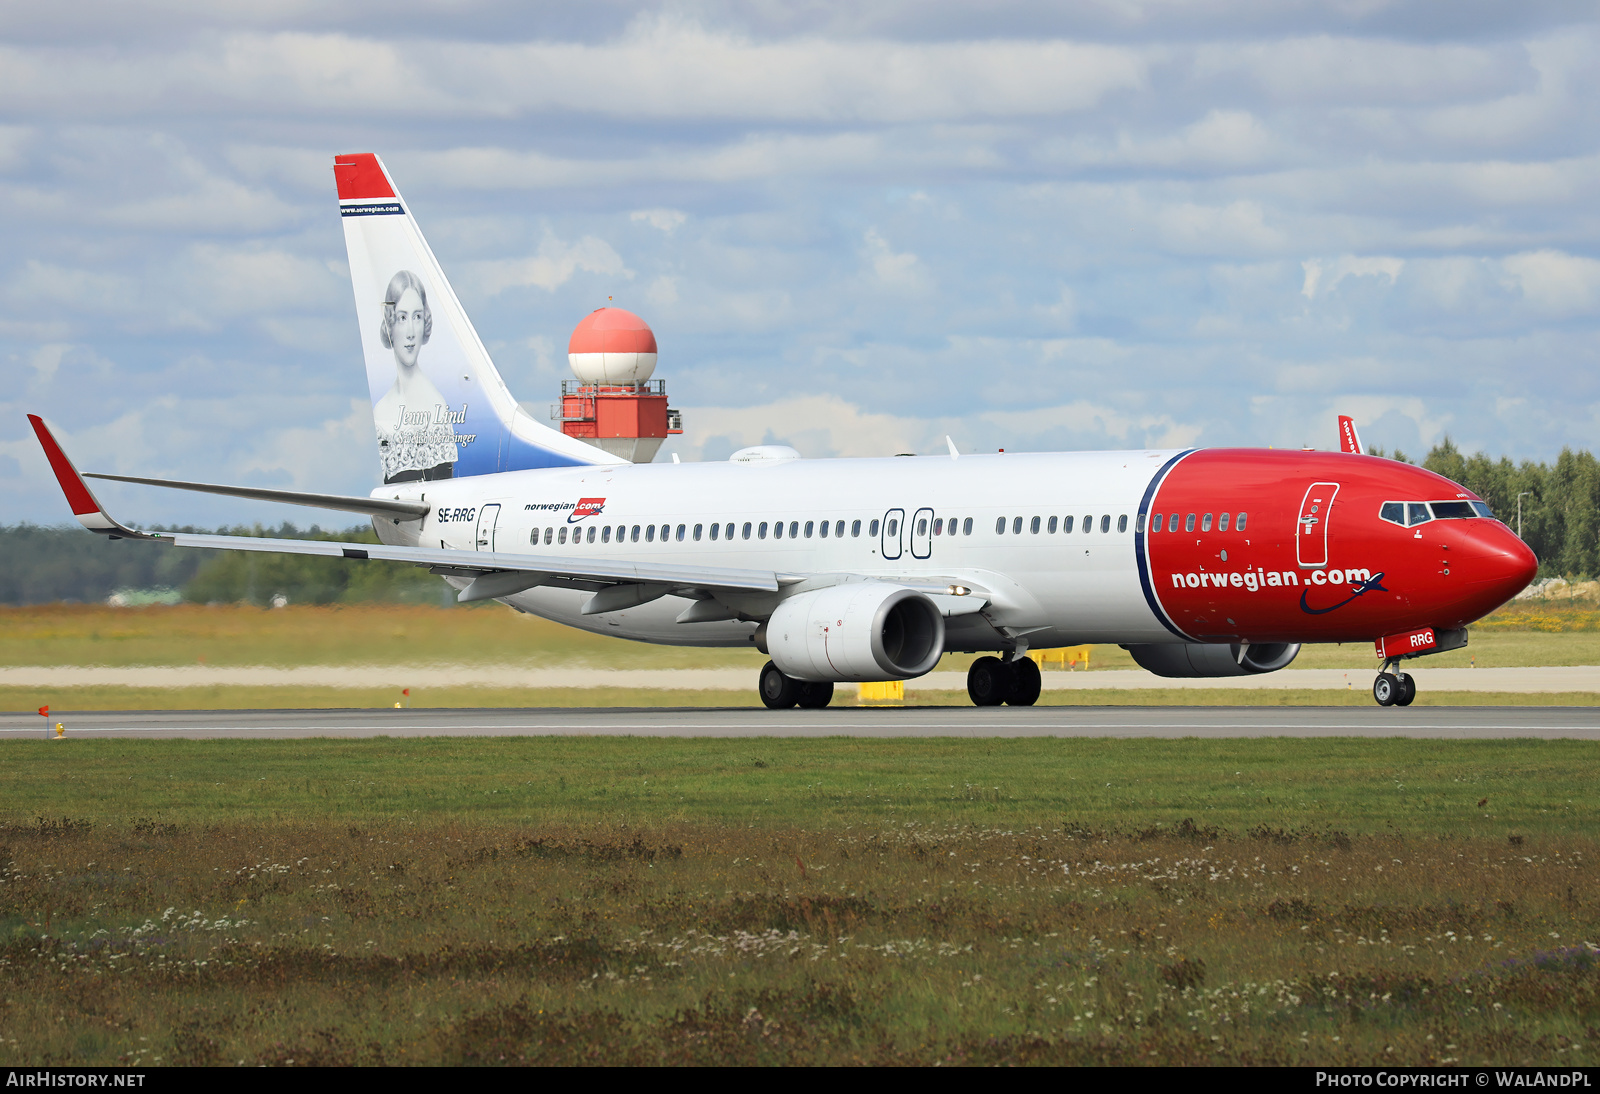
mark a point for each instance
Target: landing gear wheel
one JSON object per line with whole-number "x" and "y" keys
{"x": 988, "y": 682}
{"x": 815, "y": 696}
{"x": 779, "y": 692}
{"x": 1025, "y": 682}
{"x": 1408, "y": 690}
{"x": 1385, "y": 689}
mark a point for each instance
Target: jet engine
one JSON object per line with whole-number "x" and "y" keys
{"x": 863, "y": 630}
{"x": 1215, "y": 659}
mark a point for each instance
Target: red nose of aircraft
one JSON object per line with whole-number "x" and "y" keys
{"x": 1493, "y": 564}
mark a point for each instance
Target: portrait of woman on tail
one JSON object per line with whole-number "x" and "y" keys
{"x": 416, "y": 435}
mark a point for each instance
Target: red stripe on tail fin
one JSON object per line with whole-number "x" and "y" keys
{"x": 1349, "y": 439}
{"x": 360, "y": 177}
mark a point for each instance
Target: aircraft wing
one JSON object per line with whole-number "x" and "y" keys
{"x": 372, "y": 507}
{"x": 492, "y": 574}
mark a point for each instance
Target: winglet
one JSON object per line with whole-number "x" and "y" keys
{"x": 1349, "y": 439}
{"x": 954, "y": 455}
{"x": 90, "y": 513}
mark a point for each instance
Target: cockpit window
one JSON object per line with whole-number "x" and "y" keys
{"x": 1453, "y": 510}
{"x": 1482, "y": 509}
{"x": 1394, "y": 512}
{"x": 1416, "y": 513}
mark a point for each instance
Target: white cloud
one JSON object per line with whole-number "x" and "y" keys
{"x": 899, "y": 272}
{"x": 1323, "y": 275}
{"x": 665, "y": 220}
{"x": 1554, "y": 282}
{"x": 552, "y": 266}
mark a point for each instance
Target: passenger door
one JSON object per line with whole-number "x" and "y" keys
{"x": 488, "y": 517}
{"x": 1311, "y": 538}
{"x": 893, "y": 529}
{"x": 922, "y": 533}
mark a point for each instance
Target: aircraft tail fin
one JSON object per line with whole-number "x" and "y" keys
{"x": 1349, "y": 439}
{"x": 439, "y": 405}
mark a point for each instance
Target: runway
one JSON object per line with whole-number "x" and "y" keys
{"x": 1154, "y": 722}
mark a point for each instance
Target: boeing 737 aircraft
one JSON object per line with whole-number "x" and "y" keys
{"x": 1200, "y": 562}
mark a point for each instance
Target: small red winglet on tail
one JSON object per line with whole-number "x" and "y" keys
{"x": 361, "y": 177}
{"x": 85, "y": 507}
{"x": 1349, "y": 439}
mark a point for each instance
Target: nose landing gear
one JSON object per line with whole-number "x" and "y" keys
{"x": 1393, "y": 689}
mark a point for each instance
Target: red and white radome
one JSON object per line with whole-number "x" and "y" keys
{"x": 612, "y": 346}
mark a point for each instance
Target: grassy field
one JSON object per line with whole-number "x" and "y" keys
{"x": 791, "y": 902}
{"x": 408, "y": 634}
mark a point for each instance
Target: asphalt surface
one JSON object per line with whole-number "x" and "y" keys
{"x": 1422, "y": 722}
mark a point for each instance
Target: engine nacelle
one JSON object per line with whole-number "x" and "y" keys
{"x": 863, "y": 630}
{"x": 1214, "y": 659}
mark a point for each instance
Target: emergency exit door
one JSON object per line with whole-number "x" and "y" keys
{"x": 488, "y": 517}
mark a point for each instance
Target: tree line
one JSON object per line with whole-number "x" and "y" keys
{"x": 63, "y": 563}
{"x": 40, "y": 564}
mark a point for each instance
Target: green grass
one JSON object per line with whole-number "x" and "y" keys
{"x": 490, "y": 634}
{"x": 549, "y": 900}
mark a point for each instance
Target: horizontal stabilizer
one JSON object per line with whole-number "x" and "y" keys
{"x": 372, "y": 507}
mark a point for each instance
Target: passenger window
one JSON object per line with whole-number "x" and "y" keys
{"x": 1238, "y": 525}
{"x": 1088, "y": 523}
{"x": 605, "y": 534}
{"x": 747, "y": 529}
{"x": 591, "y": 535}
{"x": 1394, "y": 512}
{"x": 1141, "y": 522}
{"x": 794, "y": 529}
{"x": 561, "y": 537}
{"x": 938, "y": 526}
{"x": 966, "y": 527}
{"x": 634, "y": 535}
{"x": 809, "y": 526}
{"x": 872, "y": 529}
{"x": 1417, "y": 513}
{"x": 761, "y": 530}
{"x": 1033, "y": 526}
{"x": 681, "y": 529}
{"x": 894, "y": 527}
{"x": 1000, "y": 526}
{"x": 777, "y": 530}
{"x": 715, "y": 528}
{"x": 1016, "y": 526}
{"x": 1052, "y": 526}
{"x": 1172, "y": 523}
{"x": 697, "y": 529}
{"x": 1155, "y": 523}
{"x": 1105, "y": 523}
{"x": 1188, "y": 524}
{"x": 548, "y": 533}
{"x": 533, "y": 537}
{"x": 728, "y": 533}
{"x": 1222, "y": 523}
{"x": 1122, "y": 523}
{"x": 1066, "y": 523}
{"x": 823, "y": 528}
{"x": 855, "y": 527}
{"x": 650, "y": 533}
{"x": 838, "y": 529}
{"x": 1205, "y": 523}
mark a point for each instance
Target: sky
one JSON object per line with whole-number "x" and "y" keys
{"x": 854, "y": 228}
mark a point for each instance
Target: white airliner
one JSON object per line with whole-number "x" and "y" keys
{"x": 1200, "y": 562}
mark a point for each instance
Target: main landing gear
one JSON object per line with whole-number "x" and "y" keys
{"x": 780, "y": 692}
{"x": 991, "y": 681}
{"x": 1393, "y": 689}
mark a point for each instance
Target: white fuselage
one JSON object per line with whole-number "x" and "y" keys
{"x": 1059, "y": 588}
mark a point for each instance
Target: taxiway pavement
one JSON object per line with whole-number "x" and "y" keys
{"x": 847, "y": 721}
